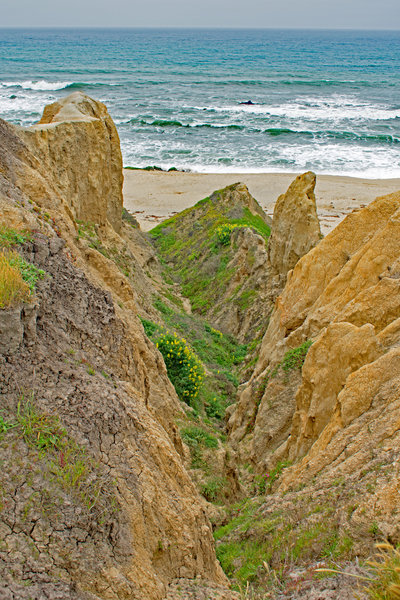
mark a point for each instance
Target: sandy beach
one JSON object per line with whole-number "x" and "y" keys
{"x": 152, "y": 196}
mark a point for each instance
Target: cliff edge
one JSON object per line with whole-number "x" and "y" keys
{"x": 94, "y": 499}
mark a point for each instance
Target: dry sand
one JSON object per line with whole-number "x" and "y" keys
{"x": 153, "y": 196}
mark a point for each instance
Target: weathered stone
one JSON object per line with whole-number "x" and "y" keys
{"x": 90, "y": 182}
{"x": 11, "y": 330}
{"x": 295, "y": 225}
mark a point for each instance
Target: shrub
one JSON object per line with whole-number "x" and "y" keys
{"x": 183, "y": 366}
{"x": 13, "y": 288}
{"x": 213, "y": 487}
{"x": 223, "y": 233}
{"x": 195, "y": 436}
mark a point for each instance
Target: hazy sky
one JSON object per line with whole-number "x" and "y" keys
{"x": 353, "y": 14}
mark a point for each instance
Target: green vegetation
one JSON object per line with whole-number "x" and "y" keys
{"x": 183, "y": 366}
{"x": 10, "y": 237}
{"x": 196, "y": 436}
{"x": 223, "y": 233}
{"x": 5, "y": 426}
{"x": 254, "y": 543}
{"x": 197, "y": 242}
{"x": 18, "y": 279}
{"x": 385, "y": 583}
{"x": 29, "y": 272}
{"x": 213, "y": 488}
{"x": 65, "y": 464}
{"x": 295, "y": 358}
{"x": 264, "y": 483}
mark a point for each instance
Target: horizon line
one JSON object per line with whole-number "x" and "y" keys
{"x": 194, "y": 28}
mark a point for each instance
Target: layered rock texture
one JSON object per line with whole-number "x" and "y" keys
{"x": 95, "y": 501}
{"x": 335, "y": 417}
{"x": 295, "y": 226}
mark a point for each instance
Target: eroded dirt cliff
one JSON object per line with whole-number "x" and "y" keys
{"x": 95, "y": 500}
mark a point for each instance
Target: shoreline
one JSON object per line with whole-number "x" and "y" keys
{"x": 153, "y": 196}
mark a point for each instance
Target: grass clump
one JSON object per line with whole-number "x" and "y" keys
{"x": 295, "y": 357}
{"x": 213, "y": 488}
{"x": 385, "y": 584}
{"x": 10, "y": 237}
{"x": 64, "y": 463}
{"x": 13, "y": 288}
{"x": 183, "y": 366}
{"x": 196, "y": 436}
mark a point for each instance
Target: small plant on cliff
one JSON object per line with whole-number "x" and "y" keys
{"x": 196, "y": 436}
{"x": 183, "y": 366}
{"x": 13, "y": 288}
{"x": 29, "y": 272}
{"x": 295, "y": 358}
{"x": 64, "y": 463}
{"x": 213, "y": 488}
{"x": 12, "y": 237}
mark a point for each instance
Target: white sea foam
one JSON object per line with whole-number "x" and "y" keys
{"x": 334, "y": 108}
{"x": 41, "y": 85}
{"x": 329, "y": 159}
{"x": 24, "y": 109}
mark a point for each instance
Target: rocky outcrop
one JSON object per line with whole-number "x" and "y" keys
{"x": 295, "y": 226}
{"x": 102, "y": 507}
{"x": 295, "y": 230}
{"x": 235, "y": 283}
{"x": 90, "y": 182}
{"x": 343, "y": 295}
{"x": 223, "y": 276}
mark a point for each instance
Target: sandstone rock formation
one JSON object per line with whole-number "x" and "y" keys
{"x": 91, "y": 182}
{"x": 342, "y": 295}
{"x": 236, "y": 286}
{"x": 134, "y": 523}
{"x": 295, "y": 226}
{"x": 295, "y": 230}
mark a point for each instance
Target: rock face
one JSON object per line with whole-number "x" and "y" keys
{"x": 295, "y": 230}
{"x": 344, "y": 296}
{"x": 295, "y": 225}
{"x": 90, "y": 182}
{"x": 129, "y": 522}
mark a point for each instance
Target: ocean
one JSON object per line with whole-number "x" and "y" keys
{"x": 328, "y": 101}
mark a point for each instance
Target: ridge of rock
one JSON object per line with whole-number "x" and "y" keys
{"x": 81, "y": 360}
{"x": 224, "y": 279}
{"x": 296, "y": 226}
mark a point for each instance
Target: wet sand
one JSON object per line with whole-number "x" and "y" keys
{"x": 153, "y": 196}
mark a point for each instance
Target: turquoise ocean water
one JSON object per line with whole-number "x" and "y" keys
{"x": 322, "y": 100}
